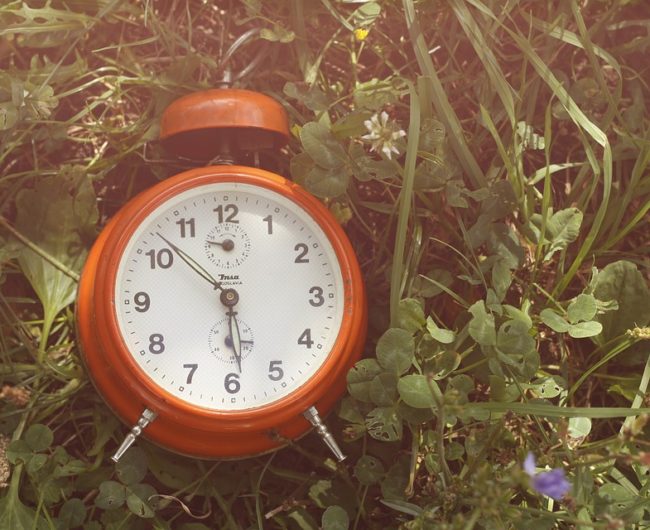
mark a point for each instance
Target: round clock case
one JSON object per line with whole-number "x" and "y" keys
{"x": 182, "y": 426}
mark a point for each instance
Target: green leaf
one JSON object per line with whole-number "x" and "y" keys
{"x": 501, "y": 278}
{"x": 383, "y": 389}
{"x": 417, "y": 391}
{"x": 111, "y": 495}
{"x": 564, "y": 228}
{"x": 328, "y": 183}
{"x": 137, "y": 500}
{"x": 394, "y": 484}
{"x": 277, "y": 34}
{"x": 583, "y": 308}
{"x": 350, "y": 126}
{"x": 369, "y": 470}
{"x": 514, "y": 338}
{"x": 310, "y": 96}
{"x": 303, "y": 519}
{"x": 72, "y": 513}
{"x": 444, "y": 336}
{"x": 548, "y": 387}
{"x": 515, "y": 313}
{"x": 15, "y": 515}
{"x": 500, "y": 391}
{"x": 349, "y": 410}
{"x": 39, "y": 437}
{"x": 35, "y": 463}
{"x": 502, "y": 241}
{"x": 300, "y": 166}
{"x": 445, "y": 363}
{"x": 554, "y": 321}
{"x": 384, "y": 424}
{"x": 395, "y": 350}
{"x": 335, "y": 518}
{"x": 406, "y": 507}
{"x": 19, "y": 451}
{"x": 374, "y": 94}
{"x": 617, "y": 501}
{"x": 322, "y": 147}
{"x": 582, "y": 330}
{"x": 132, "y": 467}
{"x": 359, "y": 378}
{"x": 428, "y": 284}
{"x": 8, "y": 115}
{"x": 54, "y": 215}
{"x": 454, "y": 451}
{"x": 410, "y": 315}
{"x": 529, "y": 138}
{"x": 44, "y": 27}
{"x": 482, "y": 326}
{"x": 623, "y": 282}
{"x": 366, "y": 14}
{"x": 579, "y": 429}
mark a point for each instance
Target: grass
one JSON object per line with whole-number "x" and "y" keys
{"x": 505, "y": 251}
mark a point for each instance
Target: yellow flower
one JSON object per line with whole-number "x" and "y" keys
{"x": 360, "y": 34}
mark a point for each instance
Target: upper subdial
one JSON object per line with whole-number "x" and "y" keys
{"x": 227, "y": 245}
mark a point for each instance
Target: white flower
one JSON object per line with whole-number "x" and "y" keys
{"x": 383, "y": 134}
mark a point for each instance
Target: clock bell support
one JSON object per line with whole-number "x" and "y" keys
{"x": 313, "y": 417}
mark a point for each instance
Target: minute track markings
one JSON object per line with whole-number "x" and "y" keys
{"x": 291, "y": 222}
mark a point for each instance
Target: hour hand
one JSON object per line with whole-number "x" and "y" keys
{"x": 226, "y": 244}
{"x": 235, "y": 336}
{"x": 194, "y": 265}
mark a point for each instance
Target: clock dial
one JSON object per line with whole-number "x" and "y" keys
{"x": 239, "y": 240}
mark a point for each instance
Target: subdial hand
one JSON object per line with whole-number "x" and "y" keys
{"x": 226, "y": 244}
{"x": 194, "y": 265}
{"x": 236, "y": 338}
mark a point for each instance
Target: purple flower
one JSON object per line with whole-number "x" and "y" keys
{"x": 551, "y": 483}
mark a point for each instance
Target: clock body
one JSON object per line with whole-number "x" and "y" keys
{"x": 156, "y": 332}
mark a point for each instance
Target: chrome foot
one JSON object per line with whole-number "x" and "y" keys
{"x": 147, "y": 417}
{"x": 312, "y": 416}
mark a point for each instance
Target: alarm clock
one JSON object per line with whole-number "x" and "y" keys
{"x": 219, "y": 310}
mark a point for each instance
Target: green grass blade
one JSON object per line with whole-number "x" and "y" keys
{"x": 484, "y": 51}
{"x": 405, "y": 202}
{"x": 441, "y": 102}
{"x": 553, "y": 411}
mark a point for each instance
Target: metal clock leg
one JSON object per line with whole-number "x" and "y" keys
{"x": 145, "y": 419}
{"x": 312, "y": 416}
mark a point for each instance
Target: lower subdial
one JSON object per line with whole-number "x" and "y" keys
{"x": 220, "y": 341}
{"x": 227, "y": 245}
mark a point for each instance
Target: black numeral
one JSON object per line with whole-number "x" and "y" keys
{"x": 156, "y": 344}
{"x": 318, "y": 299}
{"x": 275, "y": 371}
{"x": 301, "y": 249}
{"x": 269, "y": 220}
{"x": 231, "y": 383}
{"x": 227, "y": 213}
{"x": 142, "y": 302}
{"x": 184, "y": 224}
{"x": 163, "y": 258}
{"x": 192, "y": 368}
{"x": 305, "y": 338}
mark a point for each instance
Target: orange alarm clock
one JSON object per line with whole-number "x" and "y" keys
{"x": 220, "y": 310}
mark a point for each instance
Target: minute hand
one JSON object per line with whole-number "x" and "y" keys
{"x": 194, "y": 265}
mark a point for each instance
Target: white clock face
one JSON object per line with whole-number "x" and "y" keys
{"x": 229, "y": 296}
